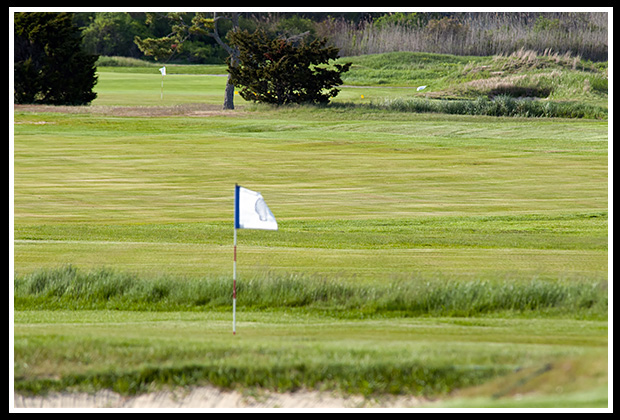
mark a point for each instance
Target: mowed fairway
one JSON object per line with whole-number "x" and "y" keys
{"x": 362, "y": 197}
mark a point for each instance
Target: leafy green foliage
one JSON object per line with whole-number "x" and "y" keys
{"x": 50, "y": 67}
{"x": 277, "y": 71}
{"x": 413, "y": 20}
{"x": 163, "y": 48}
{"x": 159, "y": 48}
{"x": 110, "y": 34}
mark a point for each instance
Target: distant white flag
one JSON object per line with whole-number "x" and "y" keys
{"x": 163, "y": 70}
{"x": 421, "y": 88}
{"x": 251, "y": 211}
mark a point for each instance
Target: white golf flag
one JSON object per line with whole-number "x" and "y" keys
{"x": 163, "y": 70}
{"x": 251, "y": 211}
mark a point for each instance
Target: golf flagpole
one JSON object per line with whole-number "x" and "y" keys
{"x": 251, "y": 212}
{"x": 235, "y": 284}
{"x": 235, "y": 260}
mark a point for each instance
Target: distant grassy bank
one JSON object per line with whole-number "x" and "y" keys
{"x": 520, "y": 74}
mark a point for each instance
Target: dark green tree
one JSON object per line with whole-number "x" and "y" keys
{"x": 50, "y": 67}
{"x": 285, "y": 71}
{"x": 111, "y": 34}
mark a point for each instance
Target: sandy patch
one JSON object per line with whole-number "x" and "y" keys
{"x": 211, "y": 397}
{"x": 188, "y": 110}
{"x": 34, "y": 122}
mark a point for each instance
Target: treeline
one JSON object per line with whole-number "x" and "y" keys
{"x": 583, "y": 34}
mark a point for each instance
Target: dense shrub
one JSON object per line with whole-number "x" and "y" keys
{"x": 280, "y": 71}
{"x": 50, "y": 67}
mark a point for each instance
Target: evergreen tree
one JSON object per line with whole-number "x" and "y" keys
{"x": 282, "y": 71}
{"x": 50, "y": 67}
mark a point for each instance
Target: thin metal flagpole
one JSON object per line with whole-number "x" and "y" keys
{"x": 235, "y": 283}
{"x": 235, "y": 260}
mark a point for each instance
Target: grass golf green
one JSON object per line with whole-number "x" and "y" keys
{"x": 390, "y": 195}
{"x": 367, "y": 200}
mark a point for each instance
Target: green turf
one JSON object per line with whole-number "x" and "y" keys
{"x": 366, "y": 199}
{"x": 373, "y": 195}
{"x": 286, "y": 351}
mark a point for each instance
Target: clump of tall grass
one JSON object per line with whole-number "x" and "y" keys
{"x": 499, "y": 106}
{"x": 530, "y": 59}
{"x": 69, "y": 288}
{"x": 473, "y": 298}
{"x": 115, "y": 61}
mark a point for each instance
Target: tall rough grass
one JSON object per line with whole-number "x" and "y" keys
{"x": 115, "y": 61}
{"x": 69, "y": 288}
{"x": 482, "y": 34}
{"x": 500, "y": 106}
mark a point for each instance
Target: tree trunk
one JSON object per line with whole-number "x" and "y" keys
{"x": 229, "y": 96}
